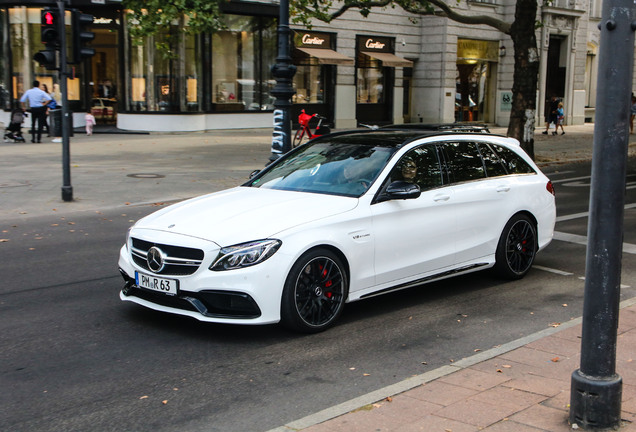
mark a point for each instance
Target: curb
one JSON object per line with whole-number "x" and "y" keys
{"x": 411, "y": 383}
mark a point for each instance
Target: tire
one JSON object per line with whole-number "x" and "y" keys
{"x": 517, "y": 248}
{"x": 298, "y": 138}
{"x": 315, "y": 292}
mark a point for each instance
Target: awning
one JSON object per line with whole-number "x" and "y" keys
{"x": 327, "y": 56}
{"x": 389, "y": 59}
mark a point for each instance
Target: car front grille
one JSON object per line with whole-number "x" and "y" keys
{"x": 180, "y": 261}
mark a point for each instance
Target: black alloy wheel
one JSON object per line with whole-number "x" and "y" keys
{"x": 315, "y": 292}
{"x": 517, "y": 247}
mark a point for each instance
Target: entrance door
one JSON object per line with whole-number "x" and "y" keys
{"x": 104, "y": 74}
{"x": 556, "y": 67}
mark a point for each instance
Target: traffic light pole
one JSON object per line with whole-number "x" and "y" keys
{"x": 67, "y": 189}
{"x": 596, "y": 388}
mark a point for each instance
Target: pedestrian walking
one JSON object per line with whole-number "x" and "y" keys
{"x": 560, "y": 119}
{"x": 37, "y": 101}
{"x": 551, "y": 115}
{"x": 90, "y": 122}
{"x": 632, "y": 115}
{"x": 49, "y": 106}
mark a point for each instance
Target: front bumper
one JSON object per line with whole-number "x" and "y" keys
{"x": 245, "y": 296}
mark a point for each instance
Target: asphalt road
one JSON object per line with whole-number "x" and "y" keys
{"x": 76, "y": 358}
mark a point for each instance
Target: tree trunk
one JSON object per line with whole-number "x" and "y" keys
{"x": 525, "y": 78}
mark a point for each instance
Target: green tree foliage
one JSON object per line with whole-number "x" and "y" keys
{"x": 152, "y": 17}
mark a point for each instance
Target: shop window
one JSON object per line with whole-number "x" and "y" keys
{"x": 138, "y": 64}
{"x": 309, "y": 81}
{"x": 474, "y": 79}
{"x": 5, "y": 79}
{"x": 371, "y": 80}
{"x": 241, "y": 60}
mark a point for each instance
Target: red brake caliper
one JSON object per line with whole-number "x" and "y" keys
{"x": 328, "y": 284}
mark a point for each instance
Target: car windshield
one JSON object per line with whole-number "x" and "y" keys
{"x": 341, "y": 167}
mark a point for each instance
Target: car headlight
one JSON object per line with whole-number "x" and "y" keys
{"x": 245, "y": 254}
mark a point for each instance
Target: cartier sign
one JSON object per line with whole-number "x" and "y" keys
{"x": 312, "y": 40}
{"x": 375, "y": 43}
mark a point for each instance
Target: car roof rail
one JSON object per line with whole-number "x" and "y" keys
{"x": 450, "y": 127}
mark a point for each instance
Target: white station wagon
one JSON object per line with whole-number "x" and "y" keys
{"x": 344, "y": 217}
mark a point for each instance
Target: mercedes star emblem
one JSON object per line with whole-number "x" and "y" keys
{"x": 156, "y": 259}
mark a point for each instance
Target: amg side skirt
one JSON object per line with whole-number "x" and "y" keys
{"x": 432, "y": 278}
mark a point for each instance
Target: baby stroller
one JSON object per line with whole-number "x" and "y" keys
{"x": 14, "y": 130}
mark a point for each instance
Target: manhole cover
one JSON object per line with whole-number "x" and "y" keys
{"x": 146, "y": 176}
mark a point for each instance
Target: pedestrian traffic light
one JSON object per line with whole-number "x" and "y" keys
{"x": 50, "y": 37}
{"x": 50, "y": 32}
{"x": 82, "y": 35}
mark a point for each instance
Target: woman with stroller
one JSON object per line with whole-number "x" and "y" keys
{"x": 14, "y": 130}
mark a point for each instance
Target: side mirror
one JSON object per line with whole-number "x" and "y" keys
{"x": 401, "y": 190}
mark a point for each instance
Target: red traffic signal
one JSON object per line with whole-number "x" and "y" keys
{"x": 48, "y": 19}
{"x": 50, "y": 35}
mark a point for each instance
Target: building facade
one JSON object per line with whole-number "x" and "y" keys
{"x": 391, "y": 67}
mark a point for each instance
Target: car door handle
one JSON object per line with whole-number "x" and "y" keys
{"x": 441, "y": 197}
{"x": 503, "y": 188}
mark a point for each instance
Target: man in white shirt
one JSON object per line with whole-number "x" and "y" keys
{"x": 37, "y": 99}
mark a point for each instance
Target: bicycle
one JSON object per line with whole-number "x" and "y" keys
{"x": 304, "y": 131}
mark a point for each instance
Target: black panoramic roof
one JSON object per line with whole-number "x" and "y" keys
{"x": 387, "y": 137}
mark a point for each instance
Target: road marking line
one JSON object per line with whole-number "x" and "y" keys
{"x": 572, "y": 216}
{"x": 586, "y": 214}
{"x": 582, "y": 240}
{"x": 622, "y": 286}
{"x": 551, "y": 270}
{"x": 571, "y": 179}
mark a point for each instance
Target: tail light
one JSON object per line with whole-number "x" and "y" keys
{"x": 550, "y": 187}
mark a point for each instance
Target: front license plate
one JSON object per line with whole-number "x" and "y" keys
{"x": 166, "y": 286}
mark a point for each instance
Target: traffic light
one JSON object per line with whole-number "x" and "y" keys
{"x": 82, "y": 35}
{"x": 50, "y": 37}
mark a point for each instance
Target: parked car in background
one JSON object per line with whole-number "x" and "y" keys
{"x": 103, "y": 109}
{"x": 342, "y": 218}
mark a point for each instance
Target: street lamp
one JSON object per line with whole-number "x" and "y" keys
{"x": 283, "y": 72}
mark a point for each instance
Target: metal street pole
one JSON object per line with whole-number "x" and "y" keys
{"x": 596, "y": 388}
{"x": 283, "y": 72}
{"x": 67, "y": 189}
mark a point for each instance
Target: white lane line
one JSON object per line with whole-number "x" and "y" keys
{"x": 551, "y": 270}
{"x": 582, "y": 240}
{"x": 622, "y": 286}
{"x": 572, "y": 216}
{"x": 586, "y": 214}
{"x": 571, "y": 179}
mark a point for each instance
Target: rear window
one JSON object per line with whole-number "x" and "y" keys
{"x": 514, "y": 163}
{"x": 494, "y": 167}
{"x": 464, "y": 161}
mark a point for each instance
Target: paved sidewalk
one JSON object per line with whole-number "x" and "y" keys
{"x": 522, "y": 386}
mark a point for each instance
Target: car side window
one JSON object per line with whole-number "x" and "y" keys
{"x": 420, "y": 166}
{"x": 512, "y": 161}
{"x": 494, "y": 167}
{"x": 463, "y": 161}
